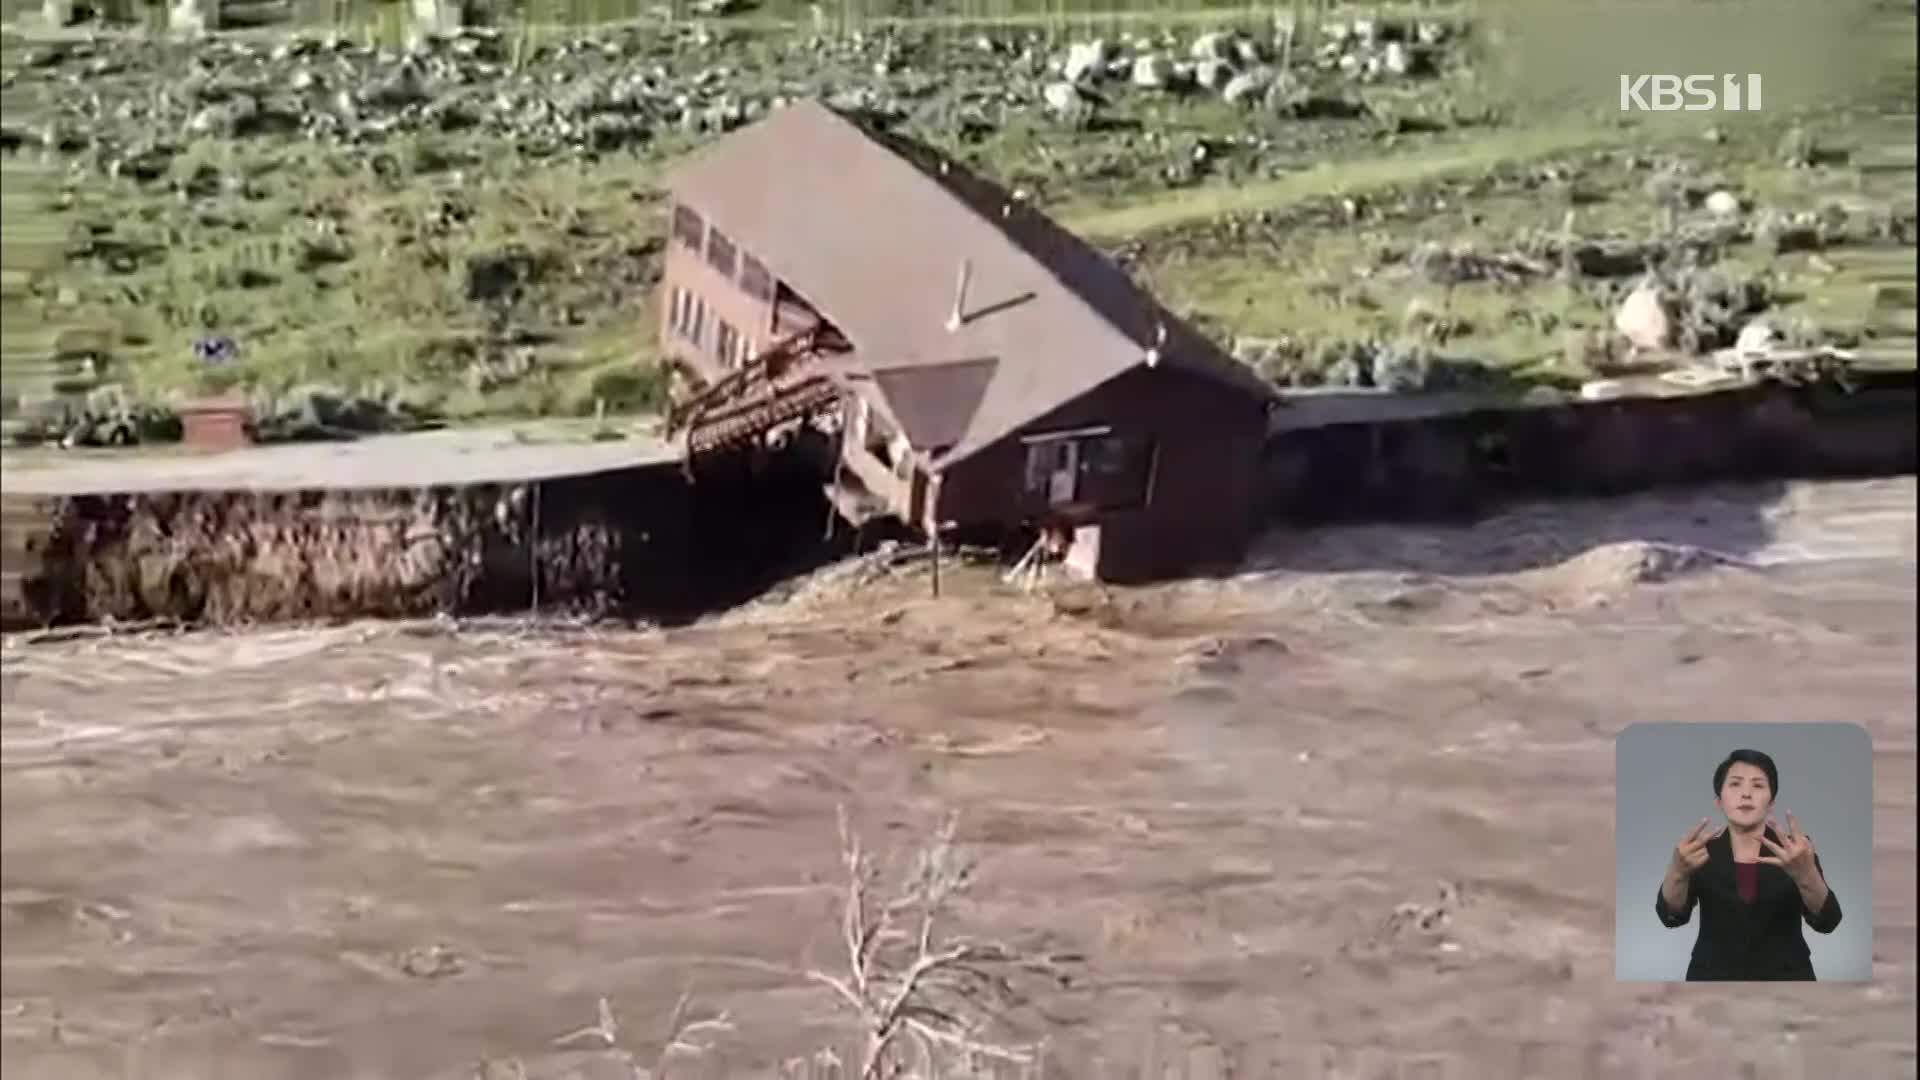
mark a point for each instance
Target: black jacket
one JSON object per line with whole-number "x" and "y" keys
{"x": 1757, "y": 942}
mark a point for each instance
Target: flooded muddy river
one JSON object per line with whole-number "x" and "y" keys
{"x": 427, "y": 850}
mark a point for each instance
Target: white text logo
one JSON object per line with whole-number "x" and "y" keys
{"x": 1690, "y": 93}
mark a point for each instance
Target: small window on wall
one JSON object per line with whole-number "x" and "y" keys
{"x": 1105, "y": 455}
{"x": 677, "y": 314}
{"x": 1099, "y": 470}
{"x": 1048, "y": 461}
{"x": 724, "y": 339}
{"x": 688, "y": 229}
{"x": 720, "y": 252}
{"x": 1116, "y": 471}
{"x": 696, "y": 330}
{"x": 754, "y": 279}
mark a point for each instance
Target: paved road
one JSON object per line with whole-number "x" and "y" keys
{"x": 422, "y": 459}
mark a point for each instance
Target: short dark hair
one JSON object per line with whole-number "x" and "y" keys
{"x": 1747, "y": 757}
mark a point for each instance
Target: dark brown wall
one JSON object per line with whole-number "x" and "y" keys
{"x": 1201, "y": 508}
{"x": 1459, "y": 464}
{"x": 689, "y": 269}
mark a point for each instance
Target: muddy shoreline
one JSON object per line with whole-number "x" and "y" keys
{"x": 644, "y": 543}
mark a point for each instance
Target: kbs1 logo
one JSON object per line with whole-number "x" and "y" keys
{"x": 1689, "y": 93}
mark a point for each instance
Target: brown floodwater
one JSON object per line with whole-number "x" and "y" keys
{"x": 431, "y": 850}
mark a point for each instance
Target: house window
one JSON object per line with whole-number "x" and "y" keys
{"x": 699, "y": 324}
{"x": 678, "y": 318}
{"x": 1091, "y": 468}
{"x": 720, "y": 252}
{"x": 724, "y": 341}
{"x": 754, "y": 279}
{"x": 688, "y": 229}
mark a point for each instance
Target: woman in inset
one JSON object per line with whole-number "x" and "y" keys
{"x": 1754, "y": 882}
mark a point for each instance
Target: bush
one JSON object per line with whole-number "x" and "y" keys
{"x": 625, "y": 386}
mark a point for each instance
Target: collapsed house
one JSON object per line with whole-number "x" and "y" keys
{"x": 977, "y": 368}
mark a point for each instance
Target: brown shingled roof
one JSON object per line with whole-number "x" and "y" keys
{"x": 849, "y": 220}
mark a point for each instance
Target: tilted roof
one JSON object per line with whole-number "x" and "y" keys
{"x": 935, "y": 403}
{"x": 855, "y": 223}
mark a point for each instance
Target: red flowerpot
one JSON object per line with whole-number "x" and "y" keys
{"x": 216, "y": 423}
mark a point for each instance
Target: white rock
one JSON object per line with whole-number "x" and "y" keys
{"x": 1723, "y": 204}
{"x": 1643, "y": 319}
{"x": 1151, "y": 71}
{"x": 1396, "y": 60}
{"x": 1367, "y": 30}
{"x": 1243, "y": 86}
{"x": 194, "y": 16}
{"x": 1756, "y": 338}
{"x": 1064, "y": 101}
{"x": 438, "y": 16}
{"x": 1430, "y": 33}
{"x": 57, "y": 12}
{"x": 1212, "y": 74}
{"x": 1215, "y": 46}
{"x": 1084, "y": 59}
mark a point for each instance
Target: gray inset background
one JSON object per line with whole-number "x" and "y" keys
{"x": 1810, "y": 53}
{"x": 1663, "y": 784}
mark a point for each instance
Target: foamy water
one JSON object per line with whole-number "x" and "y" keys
{"x": 224, "y": 847}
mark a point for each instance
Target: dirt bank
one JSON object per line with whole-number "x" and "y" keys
{"x": 1465, "y": 460}
{"x": 642, "y": 541}
{"x": 635, "y": 542}
{"x": 594, "y": 543}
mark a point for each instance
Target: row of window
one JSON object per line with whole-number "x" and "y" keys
{"x": 689, "y": 318}
{"x": 691, "y": 232}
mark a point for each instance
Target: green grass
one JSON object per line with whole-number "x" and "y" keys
{"x": 1301, "y": 279}
{"x": 349, "y": 269}
{"x": 334, "y": 275}
{"x": 1039, "y": 13}
{"x": 30, "y": 246}
{"x": 1358, "y": 175}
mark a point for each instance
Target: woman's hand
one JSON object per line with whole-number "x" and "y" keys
{"x": 1794, "y": 852}
{"x": 1690, "y": 853}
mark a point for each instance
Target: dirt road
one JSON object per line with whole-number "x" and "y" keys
{"x": 411, "y": 851}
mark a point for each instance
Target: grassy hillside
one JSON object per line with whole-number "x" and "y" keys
{"x": 470, "y": 230}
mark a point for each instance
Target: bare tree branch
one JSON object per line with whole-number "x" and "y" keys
{"x": 940, "y": 995}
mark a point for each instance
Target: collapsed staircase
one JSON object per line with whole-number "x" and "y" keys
{"x": 783, "y": 384}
